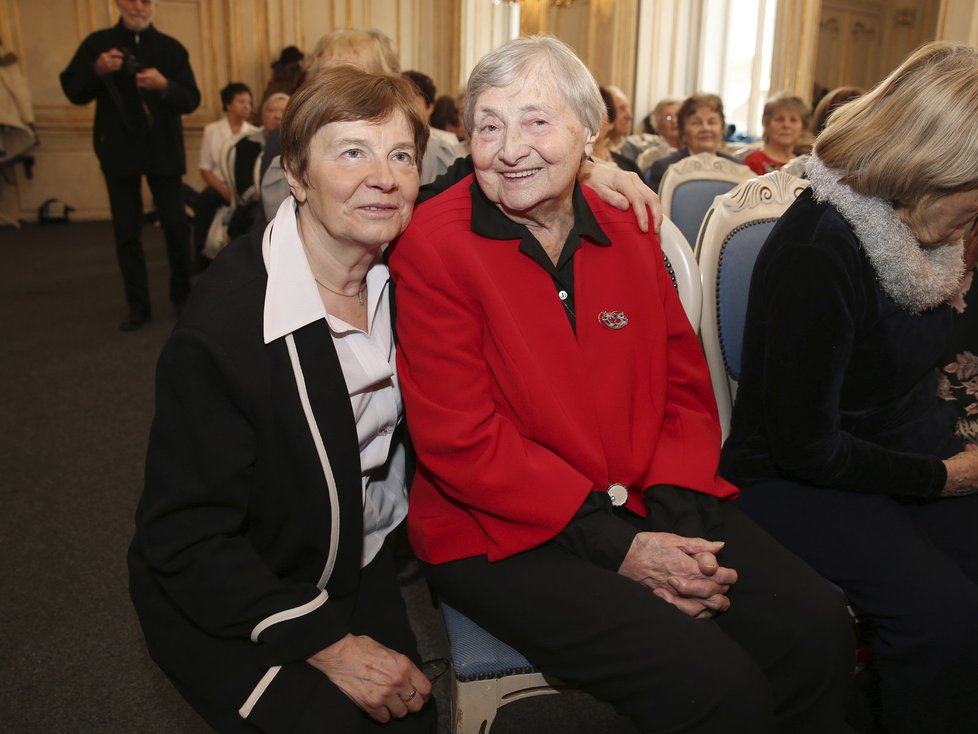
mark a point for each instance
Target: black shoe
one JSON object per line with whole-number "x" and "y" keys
{"x": 136, "y": 320}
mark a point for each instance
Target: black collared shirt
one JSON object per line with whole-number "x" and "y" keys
{"x": 489, "y": 221}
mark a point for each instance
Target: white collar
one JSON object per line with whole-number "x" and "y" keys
{"x": 915, "y": 277}
{"x": 292, "y": 298}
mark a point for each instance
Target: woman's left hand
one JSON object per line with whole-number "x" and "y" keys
{"x": 623, "y": 189}
{"x": 382, "y": 682}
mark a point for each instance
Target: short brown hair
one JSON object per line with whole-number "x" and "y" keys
{"x": 346, "y": 94}
{"x": 912, "y": 137}
{"x": 692, "y": 103}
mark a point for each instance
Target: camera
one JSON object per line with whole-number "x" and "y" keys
{"x": 130, "y": 63}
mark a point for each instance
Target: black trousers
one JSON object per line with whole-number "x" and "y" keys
{"x": 205, "y": 209}
{"x": 778, "y": 661}
{"x": 377, "y": 610}
{"x": 910, "y": 566}
{"x": 126, "y": 204}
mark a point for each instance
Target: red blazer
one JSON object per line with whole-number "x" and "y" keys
{"x": 513, "y": 418}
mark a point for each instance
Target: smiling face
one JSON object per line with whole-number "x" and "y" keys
{"x": 784, "y": 128}
{"x": 942, "y": 220}
{"x": 362, "y": 180}
{"x": 703, "y": 131}
{"x": 527, "y": 148}
{"x": 136, "y": 15}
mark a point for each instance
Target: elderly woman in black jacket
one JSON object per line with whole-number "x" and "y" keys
{"x": 839, "y": 441}
{"x": 276, "y": 467}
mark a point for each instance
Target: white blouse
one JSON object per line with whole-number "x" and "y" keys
{"x": 292, "y": 301}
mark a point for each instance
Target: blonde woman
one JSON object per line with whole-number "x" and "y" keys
{"x": 839, "y": 441}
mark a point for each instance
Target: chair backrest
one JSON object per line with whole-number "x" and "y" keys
{"x": 689, "y": 186}
{"x": 796, "y": 166}
{"x": 683, "y": 270}
{"x": 734, "y": 229}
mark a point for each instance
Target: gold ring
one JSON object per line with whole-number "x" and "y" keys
{"x": 411, "y": 695}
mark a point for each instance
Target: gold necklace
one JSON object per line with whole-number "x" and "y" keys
{"x": 358, "y": 294}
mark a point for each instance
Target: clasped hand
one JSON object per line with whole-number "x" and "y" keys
{"x": 682, "y": 571}
{"x": 382, "y": 682}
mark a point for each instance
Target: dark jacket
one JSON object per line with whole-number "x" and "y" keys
{"x": 136, "y": 131}
{"x": 233, "y": 531}
{"x": 838, "y": 386}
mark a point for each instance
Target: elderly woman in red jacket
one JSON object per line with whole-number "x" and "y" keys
{"x": 566, "y": 497}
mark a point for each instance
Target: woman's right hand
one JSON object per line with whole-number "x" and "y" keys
{"x": 682, "y": 571}
{"x": 962, "y": 473}
{"x": 382, "y": 682}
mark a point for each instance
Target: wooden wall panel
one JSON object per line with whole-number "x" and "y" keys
{"x": 861, "y": 41}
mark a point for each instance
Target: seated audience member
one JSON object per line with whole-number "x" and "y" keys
{"x": 828, "y": 104}
{"x": 623, "y": 119}
{"x": 367, "y": 49}
{"x": 236, "y": 102}
{"x": 600, "y": 151}
{"x": 665, "y": 117}
{"x": 567, "y": 439}
{"x": 785, "y": 119}
{"x": 445, "y": 116}
{"x": 288, "y": 73}
{"x": 443, "y": 147}
{"x": 261, "y": 568}
{"x": 664, "y": 123}
{"x": 839, "y": 441}
{"x": 247, "y": 152}
{"x": 701, "y": 127}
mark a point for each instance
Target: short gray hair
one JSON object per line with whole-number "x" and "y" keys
{"x": 515, "y": 59}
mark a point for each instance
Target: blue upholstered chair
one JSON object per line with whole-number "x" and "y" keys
{"x": 690, "y": 185}
{"x": 488, "y": 673}
{"x": 735, "y": 227}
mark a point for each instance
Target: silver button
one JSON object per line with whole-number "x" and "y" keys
{"x": 562, "y": 295}
{"x": 618, "y": 494}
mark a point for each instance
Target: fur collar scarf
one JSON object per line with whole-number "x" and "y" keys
{"x": 916, "y": 278}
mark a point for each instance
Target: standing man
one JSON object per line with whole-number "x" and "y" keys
{"x": 236, "y": 103}
{"x": 142, "y": 83}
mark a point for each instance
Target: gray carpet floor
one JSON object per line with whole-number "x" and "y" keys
{"x": 75, "y": 407}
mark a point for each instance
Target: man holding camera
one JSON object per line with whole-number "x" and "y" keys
{"x": 142, "y": 83}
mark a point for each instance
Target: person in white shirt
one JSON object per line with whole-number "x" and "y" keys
{"x": 236, "y": 102}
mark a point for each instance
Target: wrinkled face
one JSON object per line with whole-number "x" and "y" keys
{"x": 271, "y": 116}
{"x": 362, "y": 183}
{"x": 623, "y": 111}
{"x": 943, "y": 220}
{"x": 136, "y": 14}
{"x": 668, "y": 124}
{"x": 784, "y": 127}
{"x": 527, "y": 147}
{"x": 703, "y": 131}
{"x": 240, "y": 106}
